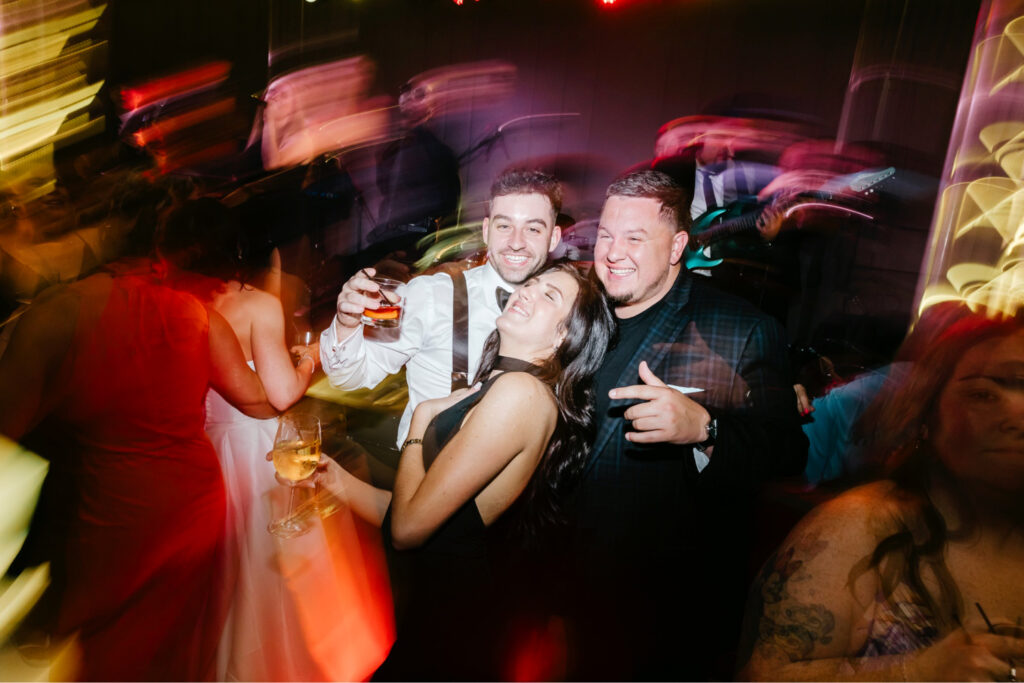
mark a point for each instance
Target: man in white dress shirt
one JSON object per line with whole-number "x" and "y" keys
{"x": 519, "y": 232}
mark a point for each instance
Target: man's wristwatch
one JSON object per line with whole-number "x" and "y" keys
{"x": 712, "y": 434}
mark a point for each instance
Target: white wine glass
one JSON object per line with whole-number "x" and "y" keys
{"x": 303, "y": 337}
{"x": 296, "y": 455}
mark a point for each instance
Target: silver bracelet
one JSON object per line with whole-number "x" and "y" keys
{"x": 410, "y": 442}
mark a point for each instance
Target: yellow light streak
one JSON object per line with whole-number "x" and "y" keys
{"x": 74, "y": 60}
{"x": 51, "y": 26}
{"x": 34, "y": 125}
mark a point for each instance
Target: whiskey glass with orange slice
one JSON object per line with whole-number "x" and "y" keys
{"x": 388, "y": 312}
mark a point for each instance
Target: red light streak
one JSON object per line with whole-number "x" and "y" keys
{"x": 167, "y": 86}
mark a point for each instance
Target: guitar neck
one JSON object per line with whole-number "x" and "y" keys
{"x": 861, "y": 184}
{"x": 727, "y": 228}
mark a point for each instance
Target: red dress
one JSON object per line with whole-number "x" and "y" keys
{"x": 146, "y": 536}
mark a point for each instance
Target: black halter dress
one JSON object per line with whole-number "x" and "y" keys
{"x": 450, "y": 604}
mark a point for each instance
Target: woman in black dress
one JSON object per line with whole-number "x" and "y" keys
{"x": 483, "y": 476}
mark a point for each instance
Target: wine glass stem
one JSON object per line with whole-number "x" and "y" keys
{"x": 291, "y": 503}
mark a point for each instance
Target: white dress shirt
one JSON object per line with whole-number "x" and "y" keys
{"x": 698, "y": 205}
{"x": 424, "y": 343}
{"x": 730, "y": 182}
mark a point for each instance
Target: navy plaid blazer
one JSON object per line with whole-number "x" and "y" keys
{"x": 639, "y": 495}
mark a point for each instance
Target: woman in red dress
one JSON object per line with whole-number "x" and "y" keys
{"x": 122, "y": 364}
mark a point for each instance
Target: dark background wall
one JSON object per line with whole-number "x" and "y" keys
{"x": 155, "y": 37}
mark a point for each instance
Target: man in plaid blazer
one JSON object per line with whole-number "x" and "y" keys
{"x": 695, "y": 409}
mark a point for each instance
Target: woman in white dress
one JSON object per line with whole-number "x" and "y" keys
{"x": 285, "y": 592}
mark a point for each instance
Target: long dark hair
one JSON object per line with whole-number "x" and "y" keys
{"x": 204, "y": 236}
{"x": 903, "y": 418}
{"x": 588, "y": 331}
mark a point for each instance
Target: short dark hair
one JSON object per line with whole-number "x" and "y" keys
{"x": 651, "y": 184}
{"x": 528, "y": 181}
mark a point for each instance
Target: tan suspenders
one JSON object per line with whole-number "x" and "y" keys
{"x": 460, "y": 332}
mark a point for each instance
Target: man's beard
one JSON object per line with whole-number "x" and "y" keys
{"x": 640, "y": 293}
{"x": 619, "y": 299}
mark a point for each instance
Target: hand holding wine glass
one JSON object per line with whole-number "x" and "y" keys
{"x": 296, "y": 455}
{"x": 306, "y": 344}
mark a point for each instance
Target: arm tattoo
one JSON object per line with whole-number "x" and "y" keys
{"x": 778, "y": 625}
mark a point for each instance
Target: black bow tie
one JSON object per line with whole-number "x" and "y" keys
{"x": 502, "y": 297}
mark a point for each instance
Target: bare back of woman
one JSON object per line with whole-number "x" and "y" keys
{"x": 284, "y": 598}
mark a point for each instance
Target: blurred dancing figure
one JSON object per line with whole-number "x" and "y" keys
{"x": 418, "y": 174}
{"x": 886, "y": 582}
{"x": 119, "y": 364}
{"x": 418, "y": 178}
{"x": 320, "y": 109}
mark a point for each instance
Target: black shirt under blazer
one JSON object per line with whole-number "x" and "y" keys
{"x": 702, "y": 338}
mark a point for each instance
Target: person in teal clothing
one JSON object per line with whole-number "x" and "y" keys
{"x": 833, "y": 453}
{"x": 834, "y": 425}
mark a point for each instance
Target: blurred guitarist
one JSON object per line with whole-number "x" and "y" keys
{"x": 720, "y": 178}
{"x": 751, "y": 246}
{"x": 726, "y": 175}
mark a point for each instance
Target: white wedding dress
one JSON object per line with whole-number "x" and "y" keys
{"x": 311, "y": 608}
{"x": 263, "y": 637}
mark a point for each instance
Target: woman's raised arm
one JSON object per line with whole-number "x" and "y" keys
{"x": 284, "y": 382}
{"x": 230, "y": 375}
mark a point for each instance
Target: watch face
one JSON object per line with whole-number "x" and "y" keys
{"x": 712, "y": 433}
{"x": 713, "y": 429}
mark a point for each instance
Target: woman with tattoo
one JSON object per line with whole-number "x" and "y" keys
{"x": 888, "y": 581}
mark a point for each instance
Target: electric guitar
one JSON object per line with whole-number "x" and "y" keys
{"x": 745, "y": 214}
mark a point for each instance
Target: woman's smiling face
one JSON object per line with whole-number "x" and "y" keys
{"x": 534, "y": 315}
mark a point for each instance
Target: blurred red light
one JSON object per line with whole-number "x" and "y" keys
{"x": 167, "y": 86}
